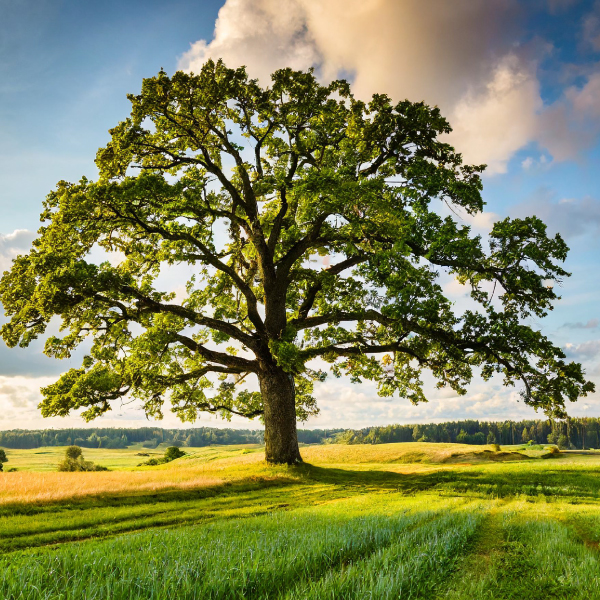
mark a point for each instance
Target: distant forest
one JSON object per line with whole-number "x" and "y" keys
{"x": 571, "y": 433}
{"x": 149, "y": 437}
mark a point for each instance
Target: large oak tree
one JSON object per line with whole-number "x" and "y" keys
{"x": 249, "y": 186}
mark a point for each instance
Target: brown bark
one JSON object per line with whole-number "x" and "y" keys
{"x": 279, "y": 401}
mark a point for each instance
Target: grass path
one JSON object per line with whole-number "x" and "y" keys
{"x": 479, "y": 568}
{"x": 525, "y": 551}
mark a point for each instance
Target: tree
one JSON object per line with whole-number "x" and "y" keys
{"x": 3, "y": 458}
{"x": 74, "y": 461}
{"x": 73, "y": 452}
{"x": 250, "y": 188}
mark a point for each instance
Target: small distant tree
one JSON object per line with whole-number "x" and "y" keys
{"x": 525, "y": 435}
{"x": 74, "y": 461}
{"x": 3, "y": 458}
{"x": 73, "y": 452}
{"x": 491, "y": 438}
{"x": 562, "y": 442}
{"x": 417, "y": 433}
{"x": 173, "y": 452}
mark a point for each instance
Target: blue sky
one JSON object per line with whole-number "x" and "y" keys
{"x": 519, "y": 82}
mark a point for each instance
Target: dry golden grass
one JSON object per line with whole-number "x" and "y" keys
{"x": 51, "y": 487}
{"x": 407, "y": 453}
{"x": 216, "y": 466}
{"x": 193, "y": 472}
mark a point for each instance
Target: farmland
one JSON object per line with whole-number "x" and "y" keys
{"x": 412, "y": 520}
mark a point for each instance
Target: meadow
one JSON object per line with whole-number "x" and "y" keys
{"x": 413, "y": 520}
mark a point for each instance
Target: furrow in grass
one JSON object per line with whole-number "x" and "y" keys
{"x": 538, "y": 559}
{"x": 412, "y": 566}
{"x": 478, "y": 565}
{"x": 19, "y": 532}
{"x": 258, "y": 557}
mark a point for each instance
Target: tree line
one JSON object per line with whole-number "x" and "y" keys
{"x": 574, "y": 433}
{"x": 149, "y": 437}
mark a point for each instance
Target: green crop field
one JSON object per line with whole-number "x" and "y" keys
{"x": 388, "y": 521}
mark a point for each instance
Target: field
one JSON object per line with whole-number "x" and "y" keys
{"x": 389, "y": 521}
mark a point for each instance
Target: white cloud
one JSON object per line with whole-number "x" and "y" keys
{"x": 591, "y": 28}
{"x": 463, "y": 56}
{"x": 572, "y": 124}
{"x": 492, "y": 124}
{"x": 585, "y": 350}
{"x": 571, "y": 217}
{"x": 13, "y": 244}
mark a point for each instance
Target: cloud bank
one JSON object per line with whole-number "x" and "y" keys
{"x": 466, "y": 56}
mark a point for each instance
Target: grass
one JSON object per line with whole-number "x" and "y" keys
{"x": 391, "y": 521}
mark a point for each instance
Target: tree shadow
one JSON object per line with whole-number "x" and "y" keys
{"x": 570, "y": 484}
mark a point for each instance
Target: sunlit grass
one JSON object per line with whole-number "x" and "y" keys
{"x": 390, "y": 521}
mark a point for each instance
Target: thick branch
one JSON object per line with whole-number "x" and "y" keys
{"x": 312, "y": 292}
{"x": 185, "y": 313}
{"x": 243, "y": 364}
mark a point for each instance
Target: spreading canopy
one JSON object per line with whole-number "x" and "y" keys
{"x": 311, "y": 223}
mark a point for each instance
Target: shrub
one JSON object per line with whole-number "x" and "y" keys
{"x": 496, "y": 447}
{"x": 171, "y": 453}
{"x": 3, "y": 458}
{"x": 74, "y": 461}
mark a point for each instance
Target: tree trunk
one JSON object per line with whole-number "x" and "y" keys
{"x": 279, "y": 401}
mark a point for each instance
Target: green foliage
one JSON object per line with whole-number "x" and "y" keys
{"x": 73, "y": 452}
{"x": 171, "y": 453}
{"x": 74, "y": 461}
{"x": 321, "y": 174}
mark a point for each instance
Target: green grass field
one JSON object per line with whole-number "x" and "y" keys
{"x": 390, "y": 521}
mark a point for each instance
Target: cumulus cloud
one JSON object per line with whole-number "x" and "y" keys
{"x": 492, "y": 124}
{"x": 585, "y": 350}
{"x": 464, "y": 56}
{"x": 13, "y": 244}
{"x": 572, "y": 123}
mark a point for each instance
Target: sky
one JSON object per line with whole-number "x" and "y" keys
{"x": 518, "y": 81}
